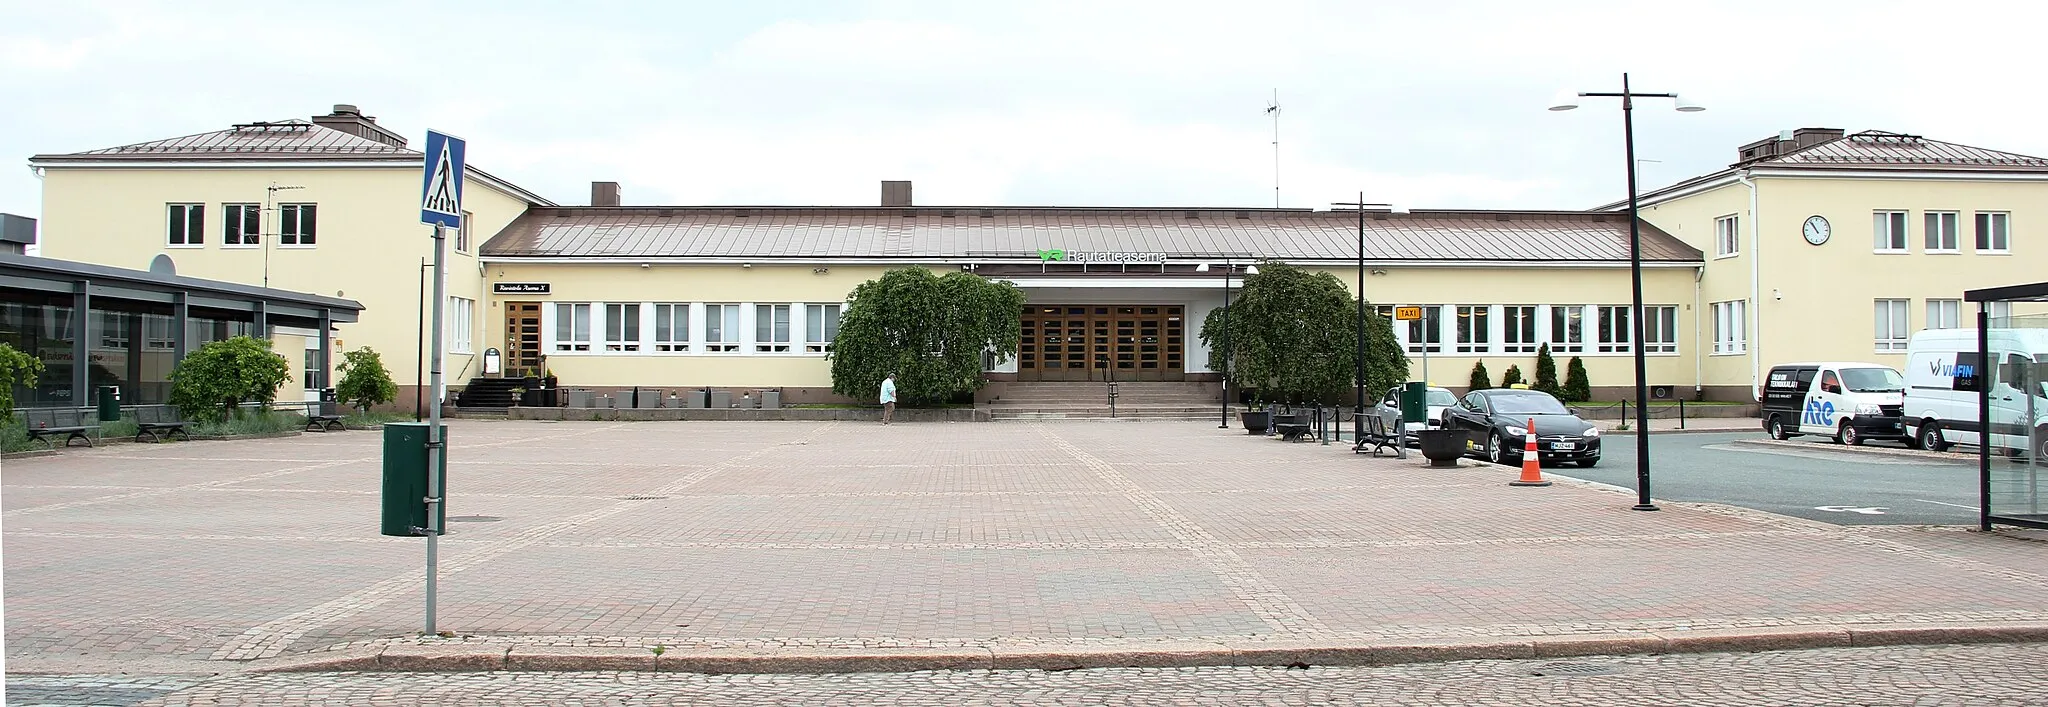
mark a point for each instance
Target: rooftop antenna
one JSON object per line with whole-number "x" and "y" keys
{"x": 1273, "y": 109}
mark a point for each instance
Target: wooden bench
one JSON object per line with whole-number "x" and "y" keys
{"x": 154, "y": 423}
{"x": 320, "y": 417}
{"x": 65, "y": 424}
{"x": 1372, "y": 435}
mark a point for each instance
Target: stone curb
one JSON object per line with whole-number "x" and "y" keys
{"x": 484, "y": 658}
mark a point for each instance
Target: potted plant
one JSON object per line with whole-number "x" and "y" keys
{"x": 518, "y": 396}
{"x": 1257, "y": 418}
{"x": 1442, "y": 447}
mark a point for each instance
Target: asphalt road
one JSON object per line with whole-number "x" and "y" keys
{"x": 1810, "y": 478}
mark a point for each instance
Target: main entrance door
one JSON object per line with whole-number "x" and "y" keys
{"x": 1100, "y": 342}
{"x": 522, "y": 339}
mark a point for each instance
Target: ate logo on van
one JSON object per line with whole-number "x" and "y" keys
{"x": 1819, "y": 412}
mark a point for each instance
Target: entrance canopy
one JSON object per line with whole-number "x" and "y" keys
{"x": 2010, "y": 374}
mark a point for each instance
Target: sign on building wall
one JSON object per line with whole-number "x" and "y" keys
{"x": 1056, "y": 255}
{"x": 1407, "y": 314}
{"x": 520, "y": 288}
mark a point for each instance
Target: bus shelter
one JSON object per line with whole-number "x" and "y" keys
{"x": 2009, "y": 372}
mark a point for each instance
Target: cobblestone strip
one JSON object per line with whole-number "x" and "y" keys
{"x": 1264, "y": 598}
{"x": 272, "y": 638}
{"x": 167, "y": 490}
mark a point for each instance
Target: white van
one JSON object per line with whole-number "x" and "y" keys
{"x": 1940, "y": 415}
{"x": 1851, "y": 402}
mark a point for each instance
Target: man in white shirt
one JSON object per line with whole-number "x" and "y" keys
{"x": 888, "y": 398}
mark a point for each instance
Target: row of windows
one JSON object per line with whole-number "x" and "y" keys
{"x": 686, "y": 327}
{"x": 1893, "y": 326}
{"x": 242, "y": 225}
{"x": 1522, "y": 329}
{"x": 1941, "y": 232}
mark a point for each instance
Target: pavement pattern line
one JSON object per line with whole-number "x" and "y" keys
{"x": 274, "y": 637}
{"x": 1262, "y": 596}
{"x": 168, "y": 490}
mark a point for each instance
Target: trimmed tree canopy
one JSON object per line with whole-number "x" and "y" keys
{"x": 1293, "y": 336}
{"x": 364, "y": 380}
{"x": 930, "y": 330}
{"x": 210, "y": 383}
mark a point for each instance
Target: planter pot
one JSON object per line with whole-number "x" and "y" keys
{"x": 1256, "y": 421}
{"x": 1442, "y": 447}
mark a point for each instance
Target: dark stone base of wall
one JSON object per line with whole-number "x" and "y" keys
{"x": 703, "y": 414}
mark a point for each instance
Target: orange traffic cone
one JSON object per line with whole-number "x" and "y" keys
{"x": 1532, "y": 465}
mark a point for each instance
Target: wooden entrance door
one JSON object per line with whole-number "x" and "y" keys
{"x": 1102, "y": 342}
{"x": 522, "y": 339}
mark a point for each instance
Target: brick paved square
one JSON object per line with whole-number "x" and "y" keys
{"x": 196, "y": 555}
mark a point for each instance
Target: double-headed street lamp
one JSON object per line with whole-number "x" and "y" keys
{"x": 1567, "y": 100}
{"x": 1358, "y": 399}
{"x": 1223, "y": 367}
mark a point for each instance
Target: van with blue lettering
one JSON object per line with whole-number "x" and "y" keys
{"x": 1851, "y": 402}
{"x": 1944, "y": 370}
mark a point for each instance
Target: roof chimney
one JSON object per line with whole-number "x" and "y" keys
{"x": 350, "y": 119}
{"x": 895, "y": 193}
{"x": 604, "y": 193}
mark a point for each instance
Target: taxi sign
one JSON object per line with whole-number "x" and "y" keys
{"x": 1406, "y": 314}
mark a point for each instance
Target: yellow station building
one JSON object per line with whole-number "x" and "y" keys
{"x": 611, "y": 296}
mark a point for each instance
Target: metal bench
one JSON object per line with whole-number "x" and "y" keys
{"x": 321, "y": 417}
{"x": 67, "y": 424}
{"x": 1292, "y": 428}
{"x": 154, "y": 423}
{"x": 1372, "y": 434}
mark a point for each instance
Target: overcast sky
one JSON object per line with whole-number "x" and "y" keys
{"x": 1419, "y": 104}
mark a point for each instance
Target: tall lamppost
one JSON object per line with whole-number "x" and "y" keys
{"x": 1358, "y": 396}
{"x": 1567, "y": 100}
{"x": 1223, "y": 368}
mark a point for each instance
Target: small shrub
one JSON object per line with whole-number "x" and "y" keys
{"x": 1546, "y": 373}
{"x": 1480, "y": 379}
{"x": 1512, "y": 377}
{"x": 364, "y": 380}
{"x": 16, "y": 368}
{"x": 1576, "y": 388}
{"x": 211, "y": 383}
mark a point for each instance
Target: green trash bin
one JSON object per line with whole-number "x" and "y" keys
{"x": 1415, "y": 402}
{"x": 405, "y": 480}
{"x": 110, "y": 403}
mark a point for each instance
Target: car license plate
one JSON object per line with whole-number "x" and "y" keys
{"x": 1564, "y": 446}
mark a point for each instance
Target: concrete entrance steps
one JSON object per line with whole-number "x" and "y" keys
{"x": 1172, "y": 400}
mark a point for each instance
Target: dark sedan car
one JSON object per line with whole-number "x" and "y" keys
{"x": 1497, "y": 421}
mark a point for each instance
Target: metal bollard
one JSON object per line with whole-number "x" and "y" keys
{"x": 1681, "y": 413}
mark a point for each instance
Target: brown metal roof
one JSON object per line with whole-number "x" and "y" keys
{"x": 1877, "y": 149}
{"x": 995, "y": 233}
{"x": 285, "y": 139}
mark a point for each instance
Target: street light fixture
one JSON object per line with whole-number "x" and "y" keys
{"x": 1567, "y": 100}
{"x": 1358, "y": 396}
{"x": 1223, "y": 367}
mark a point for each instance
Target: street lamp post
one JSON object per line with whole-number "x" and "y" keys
{"x": 1358, "y": 396}
{"x": 1223, "y": 369}
{"x": 1567, "y": 100}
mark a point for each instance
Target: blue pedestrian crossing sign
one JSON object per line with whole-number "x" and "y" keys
{"x": 441, "y": 188}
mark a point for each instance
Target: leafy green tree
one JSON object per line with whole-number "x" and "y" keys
{"x": 930, "y": 330}
{"x": 1546, "y": 372}
{"x": 1511, "y": 377}
{"x": 1576, "y": 388}
{"x": 364, "y": 380}
{"x": 1480, "y": 379}
{"x": 1294, "y": 337}
{"x": 16, "y": 369}
{"x": 212, "y": 382}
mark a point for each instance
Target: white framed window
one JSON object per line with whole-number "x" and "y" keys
{"x": 1427, "y": 333}
{"x": 622, "y": 326}
{"x": 461, "y": 314}
{"x": 1519, "y": 329}
{"x": 462, "y": 234}
{"x": 241, "y": 224}
{"x": 671, "y": 326}
{"x": 1660, "y": 329}
{"x": 572, "y": 326}
{"x": 114, "y": 330}
{"x": 1730, "y": 328}
{"x": 1944, "y": 314}
{"x": 1993, "y": 234}
{"x": 722, "y": 327}
{"x": 156, "y": 333}
{"x": 1567, "y": 328}
{"x": 771, "y": 328}
{"x": 1942, "y": 232}
{"x": 1727, "y": 236}
{"x": 297, "y": 224}
{"x": 1889, "y": 229}
{"x": 187, "y": 225}
{"x": 1892, "y": 330}
{"x": 821, "y": 326}
{"x": 2000, "y": 314}
{"x": 1614, "y": 332}
{"x": 1475, "y": 329}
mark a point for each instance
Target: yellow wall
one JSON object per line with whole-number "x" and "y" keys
{"x": 1726, "y": 278}
{"x": 1539, "y": 286}
{"x": 368, "y": 247}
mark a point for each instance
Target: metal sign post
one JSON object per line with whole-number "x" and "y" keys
{"x": 441, "y": 207}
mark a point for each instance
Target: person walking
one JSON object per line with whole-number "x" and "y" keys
{"x": 888, "y": 398}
